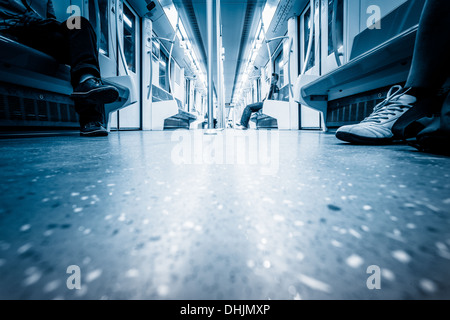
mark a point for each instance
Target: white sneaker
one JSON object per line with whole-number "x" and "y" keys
{"x": 239, "y": 126}
{"x": 377, "y": 128}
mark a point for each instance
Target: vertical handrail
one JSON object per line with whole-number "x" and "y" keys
{"x": 150, "y": 85}
{"x": 291, "y": 91}
{"x": 209, "y": 13}
{"x": 170, "y": 57}
{"x": 220, "y": 121}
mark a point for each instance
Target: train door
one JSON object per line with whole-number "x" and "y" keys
{"x": 328, "y": 49}
{"x": 310, "y": 59}
{"x": 128, "y": 34}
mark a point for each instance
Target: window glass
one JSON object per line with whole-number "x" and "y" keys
{"x": 104, "y": 27}
{"x": 129, "y": 38}
{"x": 155, "y": 48}
{"x": 279, "y": 69}
{"x": 339, "y": 24}
{"x": 306, "y": 29}
{"x": 163, "y": 75}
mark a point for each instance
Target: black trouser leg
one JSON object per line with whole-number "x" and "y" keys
{"x": 89, "y": 112}
{"x": 83, "y": 50}
{"x": 431, "y": 65}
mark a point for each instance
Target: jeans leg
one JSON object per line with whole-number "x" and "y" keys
{"x": 430, "y": 66}
{"x": 246, "y": 115}
{"x": 245, "y": 119}
{"x": 256, "y": 106}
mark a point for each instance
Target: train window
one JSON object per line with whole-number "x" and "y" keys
{"x": 104, "y": 30}
{"x": 335, "y": 9}
{"x": 187, "y": 94}
{"x": 129, "y": 38}
{"x": 177, "y": 73}
{"x": 155, "y": 48}
{"x": 279, "y": 68}
{"x": 258, "y": 91}
{"x": 308, "y": 21}
{"x": 163, "y": 75}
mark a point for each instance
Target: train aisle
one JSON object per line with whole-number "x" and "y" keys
{"x": 182, "y": 215}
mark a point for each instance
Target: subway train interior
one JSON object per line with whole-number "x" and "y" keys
{"x": 196, "y": 183}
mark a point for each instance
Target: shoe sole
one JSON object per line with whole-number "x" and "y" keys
{"x": 97, "y": 133}
{"x": 98, "y": 96}
{"x": 354, "y": 139}
{"x": 405, "y": 126}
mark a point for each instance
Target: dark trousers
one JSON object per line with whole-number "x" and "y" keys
{"x": 431, "y": 64}
{"x": 74, "y": 47}
{"x": 246, "y": 115}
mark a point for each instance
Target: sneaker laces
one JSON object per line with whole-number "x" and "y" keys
{"x": 389, "y": 106}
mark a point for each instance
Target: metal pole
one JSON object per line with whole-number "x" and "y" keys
{"x": 209, "y": 13}
{"x": 219, "y": 67}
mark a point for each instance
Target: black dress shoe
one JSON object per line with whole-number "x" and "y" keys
{"x": 408, "y": 126}
{"x": 93, "y": 129}
{"x": 94, "y": 91}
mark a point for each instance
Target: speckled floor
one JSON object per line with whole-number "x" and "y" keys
{"x": 145, "y": 216}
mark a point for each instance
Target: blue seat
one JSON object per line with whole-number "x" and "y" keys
{"x": 28, "y": 69}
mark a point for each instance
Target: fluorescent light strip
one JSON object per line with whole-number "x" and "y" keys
{"x": 172, "y": 15}
{"x": 269, "y": 11}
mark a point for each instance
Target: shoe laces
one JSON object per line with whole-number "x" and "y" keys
{"x": 389, "y": 106}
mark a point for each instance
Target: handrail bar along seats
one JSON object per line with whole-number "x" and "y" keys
{"x": 168, "y": 113}
{"x": 275, "y": 114}
{"x": 379, "y": 58}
